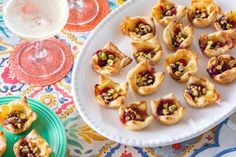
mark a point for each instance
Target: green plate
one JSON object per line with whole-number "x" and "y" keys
{"x": 48, "y": 125}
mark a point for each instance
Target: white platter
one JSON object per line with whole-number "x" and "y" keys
{"x": 106, "y": 122}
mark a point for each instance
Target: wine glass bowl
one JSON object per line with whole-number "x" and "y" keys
{"x": 35, "y": 19}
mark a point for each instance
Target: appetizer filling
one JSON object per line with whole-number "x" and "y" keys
{"x": 16, "y": 119}
{"x": 142, "y": 29}
{"x": 178, "y": 67}
{"x": 109, "y": 94}
{"x": 168, "y": 10}
{"x": 145, "y": 79}
{"x": 146, "y": 53}
{"x": 105, "y": 58}
{"x": 196, "y": 91}
{"x": 28, "y": 149}
{"x": 132, "y": 114}
{"x": 225, "y": 23}
{"x": 221, "y": 66}
{"x": 215, "y": 45}
{"x": 211, "y": 45}
{"x": 200, "y": 13}
{"x": 167, "y": 107}
{"x": 178, "y": 38}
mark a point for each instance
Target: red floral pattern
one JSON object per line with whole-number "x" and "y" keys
{"x": 209, "y": 137}
{"x": 8, "y": 77}
{"x": 176, "y": 146}
{"x": 126, "y": 155}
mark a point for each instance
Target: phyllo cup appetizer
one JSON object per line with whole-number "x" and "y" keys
{"x": 200, "y": 92}
{"x": 177, "y": 36}
{"x": 166, "y": 11}
{"x": 202, "y": 13}
{"x": 32, "y": 145}
{"x": 143, "y": 79}
{"x": 167, "y": 110}
{"x": 109, "y": 60}
{"x": 17, "y": 116}
{"x": 227, "y": 22}
{"x": 147, "y": 50}
{"x": 134, "y": 117}
{"x": 182, "y": 64}
{"x": 138, "y": 28}
{"x": 222, "y": 68}
{"x": 215, "y": 44}
{"x": 110, "y": 94}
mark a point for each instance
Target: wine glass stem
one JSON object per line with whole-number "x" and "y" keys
{"x": 40, "y": 51}
{"x": 76, "y": 3}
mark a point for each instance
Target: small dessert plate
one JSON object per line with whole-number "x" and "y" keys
{"x": 48, "y": 125}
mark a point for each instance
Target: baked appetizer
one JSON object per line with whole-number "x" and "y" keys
{"x": 182, "y": 64}
{"x": 17, "y": 116}
{"x": 134, "y": 117}
{"x": 3, "y": 144}
{"x": 222, "y": 68}
{"x": 227, "y": 22}
{"x": 167, "y": 110}
{"x": 32, "y": 145}
{"x": 166, "y": 11}
{"x": 177, "y": 36}
{"x": 138, "y": 28}
{"x": 200, "y": 92}
{"x": 109, "y": 60}
{"x": 202, "y": 13}
{"x": 110, "y": 94}
{"x": 215, "y": 44}
{"x": 143, "y": 79}
{"x": 147, "y": 50}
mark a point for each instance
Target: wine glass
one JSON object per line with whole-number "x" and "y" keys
{"x": 38, "y": 59}
{"x": 86, "y": 14}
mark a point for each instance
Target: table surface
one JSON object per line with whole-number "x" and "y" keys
{"x": 82, "y": 140}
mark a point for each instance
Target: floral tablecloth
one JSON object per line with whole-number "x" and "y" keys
{"x": 82, "y": 140}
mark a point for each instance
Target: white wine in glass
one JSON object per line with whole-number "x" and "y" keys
{"x": 36, "y": 21}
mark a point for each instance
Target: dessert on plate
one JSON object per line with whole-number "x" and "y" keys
{"x": 147, "y": 50}
{"x": 134, "y": 117}
{"x": 143, "y": 79}
{"x": 109, "y": 60}
{"x": 222, "y": 68}
{"x": 215, "y": 44}
{"x": 109, "y": 93}
{"x": 138, "y": 28}
{"x": 182, "y": 64}
{"x": 32, "y": 145}
{"x": 167, "y": 110}
{"x": 3, "y": 144}
{"x": 200, "y": 92}
{"x": 177, "y": 36}
{"x": 166, "y": 11}
{"x": 202, "y": 13}
{"x": 17, "y": 116}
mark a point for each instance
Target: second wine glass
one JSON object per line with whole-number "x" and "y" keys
{"x": 86, "y": 14}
